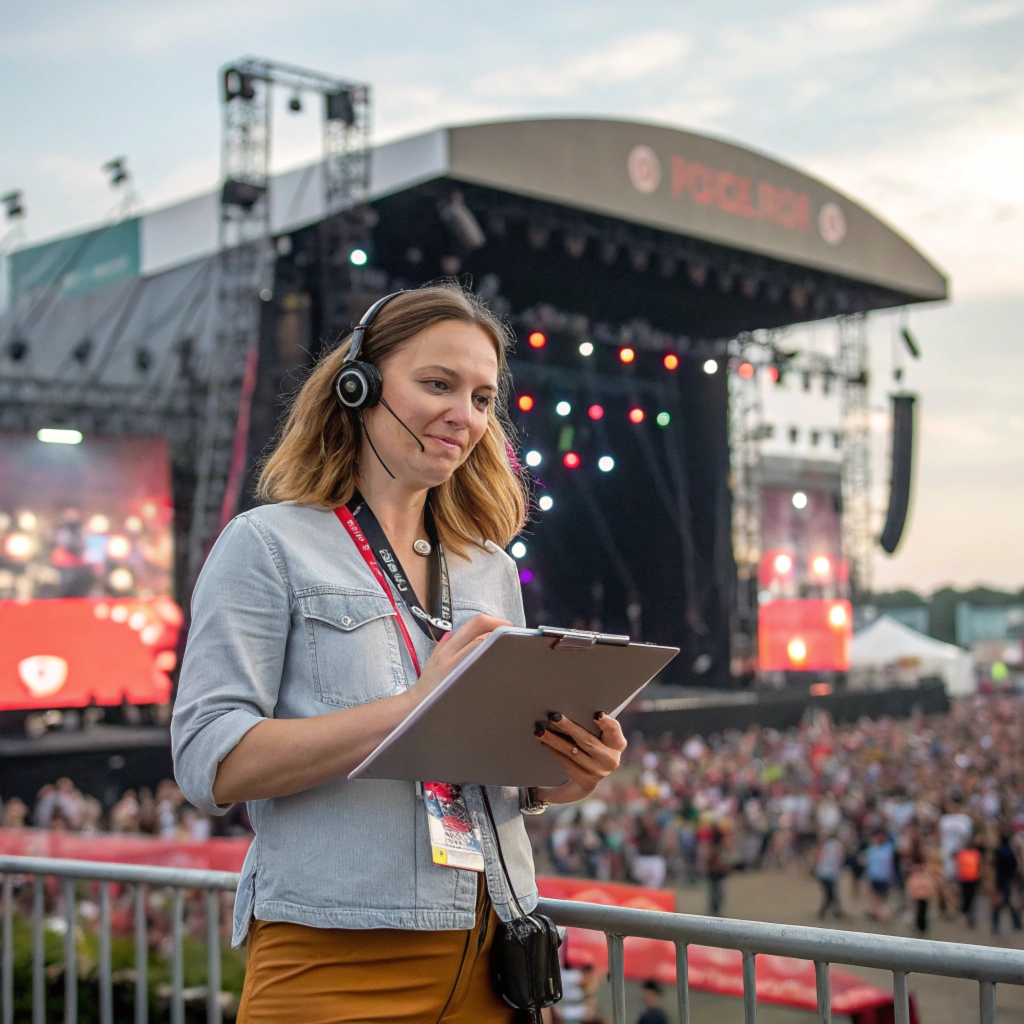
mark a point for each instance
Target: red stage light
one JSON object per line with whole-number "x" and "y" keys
{"x": 821, "y": 689}
{"x": 525, "y": 403}
{"x": 627, "y": 355}
{"x": 746, "y": 370}
{"x": 595, "y": 412}
{"x": 636, "y": 415}
{"x": 773, "y": 373}
{"x": 671, "y": 361}
{"x": 808, "y": 635}
{"x": 783, "y": 563}
{"x": 537, "y": 340}
{"x": 821, "y": 565}
{"x": 571, "y": 460}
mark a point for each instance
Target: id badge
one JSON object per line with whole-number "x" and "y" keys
{"x": 454, "y": 841}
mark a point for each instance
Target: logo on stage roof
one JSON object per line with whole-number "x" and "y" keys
{"x": 832, "y": 223}
{"x": 644, "y": 169}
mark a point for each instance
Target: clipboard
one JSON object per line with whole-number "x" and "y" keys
{"x": 477, "y": 725}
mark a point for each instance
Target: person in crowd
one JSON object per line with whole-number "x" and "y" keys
{"x": 1005, "y": 874}
{"x": 718, "y": 863}
{"x": 923, "y": 878}
{"x": 15, "y": 813}
{"x": 828, "y": 867}
{"x": 304, "y": 655}
{"x": 880, "y": 866}
{"x": 654, "y": 1010}
{"x": 969, "y": 861}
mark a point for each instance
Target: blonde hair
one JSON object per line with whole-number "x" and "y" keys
{"x": 316, "y": 459}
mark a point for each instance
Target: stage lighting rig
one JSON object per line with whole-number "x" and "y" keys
{"x": 911, "y": 342}
{"x": 14, "y": 208}
{"x": 117, "y": 171}
{"x": 459, "y": 219}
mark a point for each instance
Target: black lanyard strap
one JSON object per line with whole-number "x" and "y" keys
{"x": 433, "y": 626}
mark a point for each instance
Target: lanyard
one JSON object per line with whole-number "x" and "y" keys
{"x": 371, "y": 541}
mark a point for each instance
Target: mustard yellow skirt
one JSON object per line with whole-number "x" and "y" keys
{"x": 373, "y": 976}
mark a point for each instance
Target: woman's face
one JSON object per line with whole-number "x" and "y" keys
{"x": 441, "y": 383}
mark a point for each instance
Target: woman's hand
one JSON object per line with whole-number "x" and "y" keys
{"x": 588, "y": 758}
{"x": 452, "y": 649}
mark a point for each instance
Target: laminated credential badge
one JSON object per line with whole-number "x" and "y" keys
{"x": 454, "y": 840}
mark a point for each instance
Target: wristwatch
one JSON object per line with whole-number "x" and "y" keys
{"x": 530, "y": 802}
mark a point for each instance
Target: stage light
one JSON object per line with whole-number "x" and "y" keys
{"x": 595, "y": 412}
{"x": 821, "y": 689}
{"x": 120, "y": 580}
{"x": 710, "y": 366}
{"x": 534, "y": 458}
{"x": 636, "y": 415}
{"x": 797, "y": 650}
{"x": 295, "y": 103}
{"x": 144, "y": 358}
{"x": 13, "y": 206}
{"x": 546, "y": 503}
{"x": 59, "y": 435}
{"x": 81, "y": 352}
{"x": 799, "y": 500}
{"x": 358, "y": 257}
{"x": 118, "y": 547}
{"x": 663, "y": 419}
{"x": 773, "y": 374}
{"x": 571, "y": 460}
{"x": 266, "y": 295}
{"x": 627, "y": 355}
{"x": 133, "y": 524}
{"x": 783, "y": 564}
{"x": 606, "y": 463}
{"x": 341, "y": 106}
{"x": 98, "y": 524}
{"x": 837, "y": 616}
{"x": 27, "y": 521}
{"x": 117, "y": 170}
{"x": 525, "y": 403}
{"x": 671, "y": 361}
{"x": 563, "y": 408}
{"x": 525, "y": 576}
{"x": 537, "y": 339}
{"x": 518, "y": 549}
{"x": 17, "y": 350}
{"x": 821, "y": 565}
{"x": 586, "y": 348}
{"x": 18, "y": 546}
{"x": 745, "y": 370}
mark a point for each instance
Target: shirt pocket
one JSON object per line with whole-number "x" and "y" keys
{"x": 352, "y": 646}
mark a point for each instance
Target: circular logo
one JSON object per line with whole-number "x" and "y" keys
{"x": 832, "y": 223}
{"x": 644, "y": 169}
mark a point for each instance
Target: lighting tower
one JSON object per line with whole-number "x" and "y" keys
{"x": 247, "y": 259}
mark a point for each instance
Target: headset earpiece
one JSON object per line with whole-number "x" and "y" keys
{"x": 359, "y": 385}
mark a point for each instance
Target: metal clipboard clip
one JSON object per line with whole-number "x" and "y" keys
{"x": 569, "y": 639}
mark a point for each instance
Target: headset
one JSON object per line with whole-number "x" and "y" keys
{"x": 360, "y": 386}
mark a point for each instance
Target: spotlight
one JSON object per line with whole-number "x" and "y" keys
{"x": 358, "y": 257}
{"x": 783, "y": 564}
{"x": 120, "y": 580}
{"x": 745, "y": 370}
{"x": 773, "y": 374}
{"x": 710, "y": 366}
{"x": 537, "y": 339}
{"x": 563, "y": 408}
{"x": 525, "y": 403}
{"x": 663, "y": 419}
{"x": 595, "y": 412}
{"x": 341, "y": 107}
{"x": 636, "y": 415}
{"x": 627, "y": 355}
{"x": 237, "y": 85}
{"x": 58, "y": 435}
{"x": 525, "y": 576}
{"x": 587, "y": 348}
{"x": 571, "y": 460}
{"x": 671, "y": 361}
{"x": 797, "y": 650}
{"x": 606, "y": 463}
{"x": 295, "y": 103}
{"x": 119, "y": 547}
{"x": 820, "y": 565}
{"x": 13, "y": 206}
{"x": 143, "y": 360}
{"x": 799, "y": 500}
{"x": 17, "y": 350}
{"x": 837, "y": 616}
{"x": 910, "y": 342}
{"x": 98, "y": 524}
{"x": 18, "y": 547}
{"x": 534, "y": 458}
{"x": 118, "y": 171}
{"x": 546, "y": 503}
{"x": 518, "y": 549}
{"x": 81, "y": 352}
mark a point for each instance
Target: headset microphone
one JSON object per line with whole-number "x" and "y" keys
{"x": 360, "y": 386}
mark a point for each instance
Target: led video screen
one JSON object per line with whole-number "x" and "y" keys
{"x": 805, "y": 635}
{"x": 86, "y": 555}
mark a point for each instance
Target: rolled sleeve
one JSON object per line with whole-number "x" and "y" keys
{"x": 231, "y": 672}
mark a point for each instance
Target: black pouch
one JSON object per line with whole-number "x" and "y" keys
{"x": 524, "y": 954}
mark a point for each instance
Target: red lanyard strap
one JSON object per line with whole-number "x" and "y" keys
{"x": 363, "y": 545}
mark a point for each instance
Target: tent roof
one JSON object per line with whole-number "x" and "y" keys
{"x": 887, "y": 640}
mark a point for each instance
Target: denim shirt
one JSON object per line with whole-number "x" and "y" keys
{"x": 288, "y": 621}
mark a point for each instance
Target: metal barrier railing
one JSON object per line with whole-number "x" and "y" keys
{"x": 986, "y": 965}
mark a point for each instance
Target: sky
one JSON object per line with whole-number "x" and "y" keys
{"x": 914, "y": 108}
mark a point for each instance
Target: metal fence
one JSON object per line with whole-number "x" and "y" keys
{"x": 988, "y": 966}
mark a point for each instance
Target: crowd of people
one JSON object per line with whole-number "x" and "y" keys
{"x": 922, "y": 814}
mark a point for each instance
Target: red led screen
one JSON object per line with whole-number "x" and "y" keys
{"x": 86, "y": 556}
{"x": 805, "y": 635}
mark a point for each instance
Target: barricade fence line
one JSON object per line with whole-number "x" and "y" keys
{"x": 988, "y": 966}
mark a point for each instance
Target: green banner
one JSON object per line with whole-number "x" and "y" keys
{"x": 77, "y": 265}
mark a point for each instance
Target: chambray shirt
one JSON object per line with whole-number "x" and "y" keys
{"x": 288, "y": 621}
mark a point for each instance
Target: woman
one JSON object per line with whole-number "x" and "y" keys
{"x": 304, "y": 654}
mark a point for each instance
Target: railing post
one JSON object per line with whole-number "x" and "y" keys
{"x": 177, "y": 959}
{"x": 683, "y": 982}
{"x": 823, "y": 985}
{"x": 7, "y": 970}
{"x": 70, "y": 954}
{"x": 987, "y": 995}
{"x": 900, "y": 997}
{"x": 106, "y": 985}
{"x": 212, "y": 956}
{"x": 38, "y": 953}
{"x": 141, "y": 957}
{"x": 749, "y": 989}
{"x": 617, "y": 969}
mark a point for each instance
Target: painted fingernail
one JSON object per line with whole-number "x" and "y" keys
{"x": 539, "y": 729}
{"x": 598, "y": 716}
{"x": 555, "y": 716}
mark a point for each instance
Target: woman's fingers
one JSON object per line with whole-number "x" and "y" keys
{"x": 588, "y": 748}
{"x": 477, "y": 627}
{"x": 611, "y": 732}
